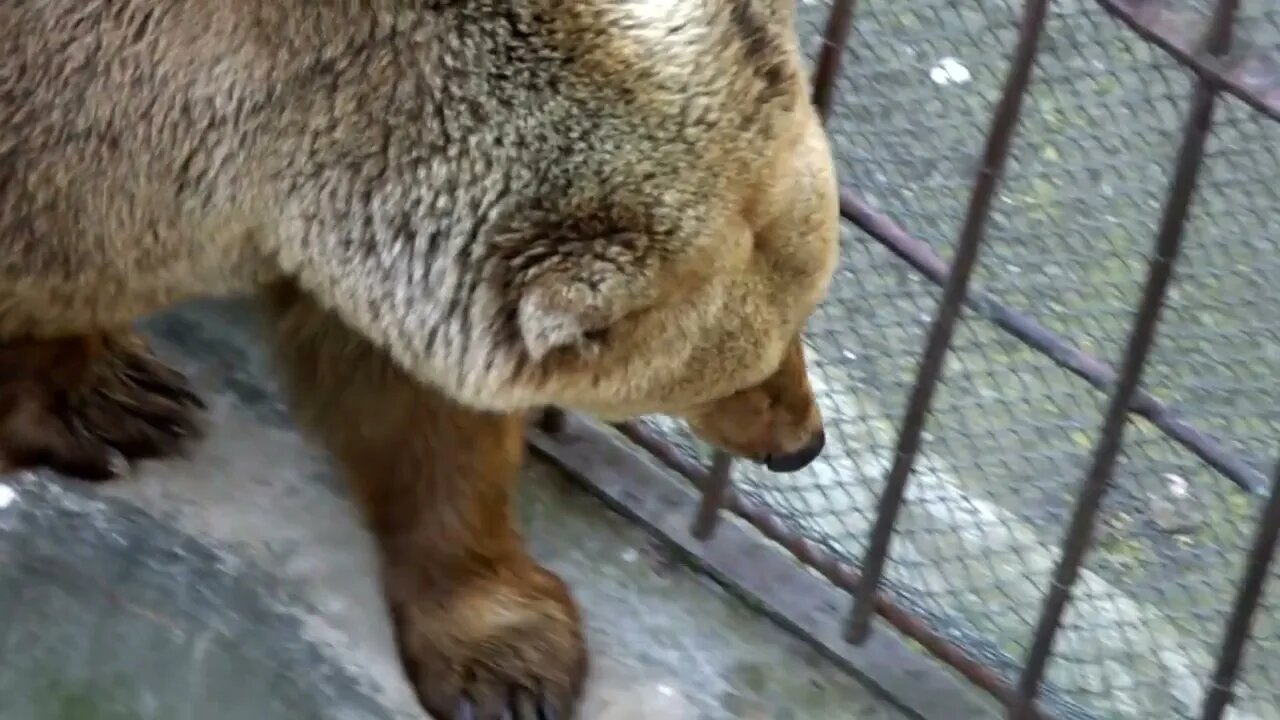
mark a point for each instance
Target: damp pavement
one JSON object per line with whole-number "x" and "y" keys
{"x": 237, "y": 584}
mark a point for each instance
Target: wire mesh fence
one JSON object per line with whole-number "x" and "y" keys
{"x": 1012, "y": 431}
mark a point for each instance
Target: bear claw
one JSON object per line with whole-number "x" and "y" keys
{"x": 523, "y": 705}
{"x": 89, "y": 407}
{"x": 502, "y": 650}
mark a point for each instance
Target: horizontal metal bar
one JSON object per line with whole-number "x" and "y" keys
{"x": 1255, "y": 79}
{"x": 917, "y": 253}
{"x": 839, "y": 573}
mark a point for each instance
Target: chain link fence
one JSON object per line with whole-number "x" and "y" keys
{"x": 1011, "y": 431}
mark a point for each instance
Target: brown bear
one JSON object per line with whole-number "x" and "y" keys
{"x": 455, "y": 211}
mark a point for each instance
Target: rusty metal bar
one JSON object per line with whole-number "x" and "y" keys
{"x": 835, "y": 39}
{"x": 551, "y": 420}
{"x": 1168, "y": 243}
{"x": 1254, "y": 79}
{"x": 717, "y": 488}
{"x": 1241, "y": 470}
{"x": 1261, "y": 553}
{"x": 826, "y": 563}
{"x": 971, "y": 235}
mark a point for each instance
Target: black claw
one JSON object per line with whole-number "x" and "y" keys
{"x": 93, "y": 462}
{"x": 466, "y": 710}
{"x": 191, "y": 398}
{"x": 162, "y": 381}
{"x": 90, "y": 470}
{"x": 177, "y": 429}
{"x": 139, "y": 449}
{"x": 546, "y": 712}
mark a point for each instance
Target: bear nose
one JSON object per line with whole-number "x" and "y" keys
{"x": 793, "y": 461}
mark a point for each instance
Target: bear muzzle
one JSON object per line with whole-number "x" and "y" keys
{"x": 798, "y": 459}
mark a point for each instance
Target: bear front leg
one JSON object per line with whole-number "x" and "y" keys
{"x": 484, "y": 632}
{"x": 88, "y": 405}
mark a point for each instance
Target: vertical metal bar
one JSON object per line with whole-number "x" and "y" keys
{"x": 835, "y": 38}
{"x": 1237, "y": 633}
{"x": 714, "y": 493}
{"x": 993, "y": 160}
{"x": 552, "y": 420}
{"x": 826, "y": 563}
{"x": 1168, "y": 243}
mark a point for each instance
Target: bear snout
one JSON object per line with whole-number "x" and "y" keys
{"x": 789, "y": 462}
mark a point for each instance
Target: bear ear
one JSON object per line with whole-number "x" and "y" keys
{"x": 573, "y": 298}
{"x": 548, "y": 321}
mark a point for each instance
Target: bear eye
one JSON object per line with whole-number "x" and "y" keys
{"x": 596, "y": 337}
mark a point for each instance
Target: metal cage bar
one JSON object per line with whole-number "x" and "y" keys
{"x": 835, "y": 39}
{"x": 1261, "y": 553}
{"x": 1003, "y": 126}
{"x": 1235, "y": 466}
{"x": 1167, "y": 246}
{"x": 715, "y": 493}
{"x": 1248, "y": 78}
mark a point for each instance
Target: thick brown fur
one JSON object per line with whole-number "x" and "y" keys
{"x": 457, "y": 210}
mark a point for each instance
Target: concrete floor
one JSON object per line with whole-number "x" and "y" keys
{"x": 238, "y": 584}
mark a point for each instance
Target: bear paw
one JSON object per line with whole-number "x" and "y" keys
{"x": 507, "y": 647}
{"x": 87, "y": 406}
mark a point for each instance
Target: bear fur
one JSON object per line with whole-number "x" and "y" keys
{"x": 455, "y": 211}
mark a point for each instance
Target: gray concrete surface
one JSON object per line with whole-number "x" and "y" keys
{"x": 237, "y": 584}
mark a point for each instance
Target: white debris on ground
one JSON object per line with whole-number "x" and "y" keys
{"x": 657, "y": 701}
{"x": 7, "y": 496}
{"x": 950, "y": 71}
